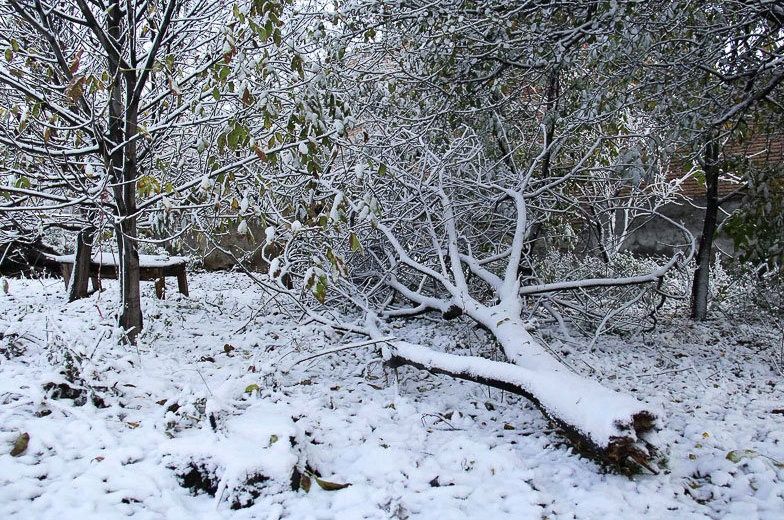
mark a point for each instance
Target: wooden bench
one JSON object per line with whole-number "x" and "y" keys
{"x": 151, "y": 268}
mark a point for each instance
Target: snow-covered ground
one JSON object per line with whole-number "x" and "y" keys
{"x": 426, "y": 447}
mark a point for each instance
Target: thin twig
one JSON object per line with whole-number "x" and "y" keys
{"x": 344, "y": 347}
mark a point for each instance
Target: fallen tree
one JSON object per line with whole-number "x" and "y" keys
{"x": 449, "y": 234}
{"x": 606, "y": 426}
{"x": 395, "y": 276}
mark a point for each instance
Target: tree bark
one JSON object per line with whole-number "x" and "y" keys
{"x": 80, "y": 276}
{"x": 130, "y": 318}
{"x": 700, "y": 285}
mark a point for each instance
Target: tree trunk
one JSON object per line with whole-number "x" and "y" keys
{"x": 131, "y": 310}
{"x": 80, "y": 276}
{"x": 600, "y": 424}
{"x": 700, "y": 285}
{"x": 131, "y": 317}
{"x": 606, "y": 425}
{"x": 123, "y": 125}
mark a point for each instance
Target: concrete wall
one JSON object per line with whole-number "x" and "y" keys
{"x": 658, "y": 236}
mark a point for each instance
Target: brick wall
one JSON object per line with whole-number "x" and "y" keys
{"x": 759, "y": 150}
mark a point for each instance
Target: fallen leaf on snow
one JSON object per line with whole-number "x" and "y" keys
{"x": 20, "y": 444}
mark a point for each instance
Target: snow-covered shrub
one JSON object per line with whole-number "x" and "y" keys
{"x": 756, "y": 225}
{"x": 79, "y": 379}
{"x": 745, "y": 291}
{"x": 258, "y": 452}
{"x": 10, "y": 346}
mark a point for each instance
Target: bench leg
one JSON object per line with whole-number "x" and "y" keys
{"x": 182, "y": 282}
{"x": 160, "y": 288}
{"x": 66, "y": 273}
{"x": 96, "y": 282}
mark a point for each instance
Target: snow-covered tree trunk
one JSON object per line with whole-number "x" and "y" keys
{"x": 123, "y": 127}
{"x": 607, "y": 426}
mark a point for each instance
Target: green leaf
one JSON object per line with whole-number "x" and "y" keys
{"x": 737, "y": 455}
{"x": 147, "y": 185}
{"x": 22, "y": 182}
{"x": 9, "y": 55}
{"x": 326, "y": 485}
{"x": 354, "y": 242}
{"x": 223, "y": 72}
{"x": 20, "y": 444}
{"x": 320, "y": 290}
{"x": 296, "y": 65}
{"x": 261, "y": 32}
{"x": 273, "y": 439}
{"x": 336, "y": 261}
{"x": 238, "y": 137}
{"x": 253, "y": 387}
